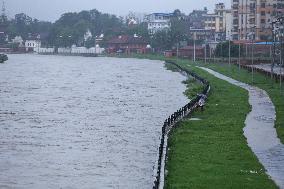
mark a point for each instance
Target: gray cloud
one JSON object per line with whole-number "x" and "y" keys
{"x": 52, "y": 9}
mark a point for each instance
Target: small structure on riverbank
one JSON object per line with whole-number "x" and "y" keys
{"x": 127, "y": 44}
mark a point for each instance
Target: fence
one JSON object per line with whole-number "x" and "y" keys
{"x": 171, "y": 123}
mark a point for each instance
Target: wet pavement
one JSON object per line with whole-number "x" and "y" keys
{"x": 260, "y": 132}
{"x": 267, "y": 67}
{"x": 77, "y": 122}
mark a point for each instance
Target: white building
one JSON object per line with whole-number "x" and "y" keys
{"x": 229, "y": 25}
{"x": 18, "y": 39}
{"x": 158, "y": 22}
{"x": 33, "y": 44}
{"x": 217, "y": 21}
{"x": 88, "y": 35}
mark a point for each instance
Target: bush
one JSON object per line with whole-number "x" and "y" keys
{"x": 3, "y": 58}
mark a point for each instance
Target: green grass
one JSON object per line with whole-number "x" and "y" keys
{"x": 193, "y": 86}
{"x": 261, "y": 81}
{"x": 212, "y": 152}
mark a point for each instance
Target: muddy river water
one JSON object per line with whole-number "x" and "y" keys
{"x": 75, "y": 122}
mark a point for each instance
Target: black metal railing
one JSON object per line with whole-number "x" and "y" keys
{"x": 175, "y": 118}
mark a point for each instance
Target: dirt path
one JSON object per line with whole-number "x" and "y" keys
{"x": 259, "y": 131}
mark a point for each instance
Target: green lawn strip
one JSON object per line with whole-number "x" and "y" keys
{"x": 213, "y": 152}
{"x": 261, "y": 81}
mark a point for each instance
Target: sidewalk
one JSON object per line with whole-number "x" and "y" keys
{"x": 260, "y": 131}
{"x": 267, "y": 67}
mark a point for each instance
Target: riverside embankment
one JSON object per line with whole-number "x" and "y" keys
{"x": 174, "y": 119}
{"x": 260, "y": 131}
{"x": 210, "y": 150}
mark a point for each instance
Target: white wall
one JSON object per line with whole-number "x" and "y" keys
{"x": 81, "y": 50}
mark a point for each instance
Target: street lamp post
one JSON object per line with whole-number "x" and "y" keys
{"x": 252, "y": 36}
{"x": 278, "y": 34}
{"x": 194, "y": 47}
{"x": 205, "y": 54}
{"x": 230, "y": 49}
{"x": 230, "y": 53}
{"x": 239, "y": 50}
{"x": 273, "y": 51}
{"x": 252, "y": 54}
{"x": 281, "y": 58}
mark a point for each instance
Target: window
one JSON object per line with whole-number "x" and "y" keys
{"x": 262, "y": 21}
{"x": 262, "y": 13}
{"x": 262, "y": 5}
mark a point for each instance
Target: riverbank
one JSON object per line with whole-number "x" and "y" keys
{"x": 260, "y": 80}
{"x": 260, "y": 131}
{"x": 211, "y": 150}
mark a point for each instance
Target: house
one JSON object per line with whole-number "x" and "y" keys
{"x": 202, "y": 34}
{"x": 255, "y": 17}
{"x": 158, "y": 22}
{"x": 127, "y": 44}
{"x": 33, "y": 43}
{"x": 188, "y": 52}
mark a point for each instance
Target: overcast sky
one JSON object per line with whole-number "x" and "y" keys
{"x": 50, "y": 10}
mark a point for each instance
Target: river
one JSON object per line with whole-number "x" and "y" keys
{"x": 78, "y": 122}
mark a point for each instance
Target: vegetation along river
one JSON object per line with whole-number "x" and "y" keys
{"x": 77, "y": 122}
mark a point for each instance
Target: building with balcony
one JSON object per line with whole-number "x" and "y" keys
{"x": 252, "y": 18}
{"x": 158, "y": 22}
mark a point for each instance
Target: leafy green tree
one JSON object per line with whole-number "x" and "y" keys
{"x": 162, "y": 40}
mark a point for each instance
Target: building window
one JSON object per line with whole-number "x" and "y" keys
{"x": 262, "y": 13}
{"x": 262, "y": 5}
{"x": 262, "y": 21}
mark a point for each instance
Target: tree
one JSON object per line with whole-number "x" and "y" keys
{"x": 222, "y": 49}
{"x": 162, "y": 40}
{"x": 75, "y": 25}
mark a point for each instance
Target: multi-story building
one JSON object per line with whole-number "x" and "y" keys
{"x": 229, "y": 24}
{"x": 217, "y": 21}
{"x": 158, "y": 22}
{"x": 252, "y": 18}
{"x": 197, "y": 19}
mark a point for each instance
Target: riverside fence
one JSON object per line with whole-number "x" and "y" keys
{"x": 171, "y": 123}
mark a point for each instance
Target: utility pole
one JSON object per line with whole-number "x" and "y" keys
{"x": 194, "y": 47}
{"x": 281, "y": 35}
{"x": 252, "y": 53}
{"x": 239, "y": 50}
{"x": 205, "y": 51}
{"x": 177, "y": 51}
{"x": 230, "y": 49}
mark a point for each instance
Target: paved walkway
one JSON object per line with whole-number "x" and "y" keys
{"x": 260, "y": 132}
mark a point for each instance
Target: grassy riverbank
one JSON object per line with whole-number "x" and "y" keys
{"x": 261, "y": 81}
{"x": 212, "y": 152}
